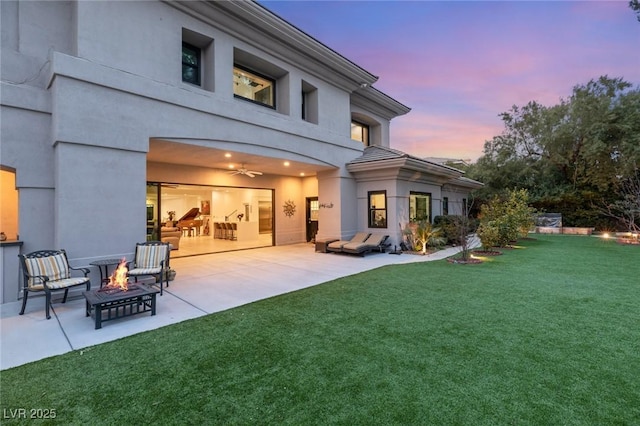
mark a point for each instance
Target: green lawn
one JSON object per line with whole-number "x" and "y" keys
{"x": 546, "y": 334}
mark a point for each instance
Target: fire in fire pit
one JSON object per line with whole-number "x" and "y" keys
{"x": 118, "y": 281}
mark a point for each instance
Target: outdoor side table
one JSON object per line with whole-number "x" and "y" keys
{"x": 105, "y": 263}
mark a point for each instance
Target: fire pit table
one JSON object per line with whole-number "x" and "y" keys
{"x": 112, "y": 303}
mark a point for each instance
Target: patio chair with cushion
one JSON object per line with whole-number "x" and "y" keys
{"x": 151, "y": 259}
{"x": 49, "y": 271}
{"x": 374, "y": 242}
{"x": 336, "y": 246}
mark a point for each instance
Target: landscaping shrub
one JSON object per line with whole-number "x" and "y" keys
{"x": 509, "y": 217}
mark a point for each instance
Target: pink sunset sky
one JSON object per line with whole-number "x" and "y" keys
{"x": 458, "y": 65}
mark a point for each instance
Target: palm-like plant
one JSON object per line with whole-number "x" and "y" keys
{"x": 426, "y": 235}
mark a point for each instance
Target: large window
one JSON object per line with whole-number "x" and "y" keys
{"x": 254, "y": 87}
{"x": 360, "y": 132}
{"x": 191, "y": 64}
{"x": 377, "y": 209}
{"x": 419, "y": 207}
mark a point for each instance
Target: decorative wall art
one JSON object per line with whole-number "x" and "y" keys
{"x": 289, "y": 208}
{"x": 205, "y": 207}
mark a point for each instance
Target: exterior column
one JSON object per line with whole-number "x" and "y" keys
{"x": 337, "y": 217}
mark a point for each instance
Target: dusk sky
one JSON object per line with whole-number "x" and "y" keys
{"x": 458, "y": 65}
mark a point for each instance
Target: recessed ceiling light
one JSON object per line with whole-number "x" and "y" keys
{"x": 286, "y": 163}
{"x": 227, "y": 155}
{"x": 301, "y": 173}
{"x": 231, "y": 166}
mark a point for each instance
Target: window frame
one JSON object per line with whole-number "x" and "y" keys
{"x": 198, "y": 68}
{"x": 365, "y": 133}
{"x": 374, "y": 211}
{"x": 430, "y": 207}
{"x": 260, "y": 76}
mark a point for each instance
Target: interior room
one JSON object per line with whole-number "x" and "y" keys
{"x": 197, "y": 219}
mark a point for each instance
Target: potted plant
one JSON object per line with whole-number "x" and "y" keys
{"x": 172, "y": 215}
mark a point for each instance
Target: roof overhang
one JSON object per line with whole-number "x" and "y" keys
{"x": 410, "y": 169}
{"x": 371, "y": 99}
{"x": 464, "y": 183}
{"x": 253, "y": 23}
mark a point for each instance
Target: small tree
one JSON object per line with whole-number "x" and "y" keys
{"x": 522, "y": 215}
{"x": 626, "y": 209}
{"x": 489, "y": 235}
{"x": 463, "y": 229}
{"x": 425, "y": 235}
{"x": 510, "y": 217}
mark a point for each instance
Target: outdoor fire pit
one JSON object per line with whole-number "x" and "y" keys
{"x": 119, "y": 298}
{"x": 110, "y": 304}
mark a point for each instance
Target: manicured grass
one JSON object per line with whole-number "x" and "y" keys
{"x": 546, "y": 334}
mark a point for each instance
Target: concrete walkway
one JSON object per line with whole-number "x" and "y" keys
{"x": 203, "y": 285}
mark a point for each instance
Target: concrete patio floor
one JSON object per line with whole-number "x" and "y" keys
{"x": 203, "y": 285}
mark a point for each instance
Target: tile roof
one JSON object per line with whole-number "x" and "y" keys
{"x": 378, "y": 153}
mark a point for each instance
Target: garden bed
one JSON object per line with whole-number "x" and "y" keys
{"x": 470, "y": 261}
{"x": 487, "y": 252}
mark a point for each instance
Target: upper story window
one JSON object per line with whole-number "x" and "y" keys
{"x": 360, "y": 132}
{"x": 191, "y": 68}
{"x": 254, "y": 87}
{"x": 309, "y": 103}
{"x": 377, "y": 209}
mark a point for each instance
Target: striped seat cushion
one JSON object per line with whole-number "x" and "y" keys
{"x": 53, "y": 267}
{"x": 63, "y": 283}
{"x": 150, "y": 256}
{"x": 144, "y": 271}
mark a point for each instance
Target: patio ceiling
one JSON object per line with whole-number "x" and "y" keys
{"x": 171, "y": 152}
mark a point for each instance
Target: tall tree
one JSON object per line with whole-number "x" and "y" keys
{"x": 635, "y": 6}
{"x": 570, "y": 155}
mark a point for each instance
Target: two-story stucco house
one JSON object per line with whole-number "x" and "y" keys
{"x": 119, "y": 117}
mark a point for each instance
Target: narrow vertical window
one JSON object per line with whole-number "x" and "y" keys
{"x": 304, "y": 105}
{"x": 309, "y": 103}
{"x": 377, "y": 209}
{"x": 190, "y": 64}
{"x": 445, "y": 206}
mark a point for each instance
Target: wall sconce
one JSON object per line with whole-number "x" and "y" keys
{"x": 326, "y": 205}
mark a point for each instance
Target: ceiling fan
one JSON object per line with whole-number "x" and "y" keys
{"x": 244, "y": 171}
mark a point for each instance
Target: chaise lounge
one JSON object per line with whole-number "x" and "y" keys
{"x": 374, "y": 242}
{"x": 336, "y": 246}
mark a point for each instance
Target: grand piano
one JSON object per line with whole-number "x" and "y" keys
{"x": 188, "y": 222}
